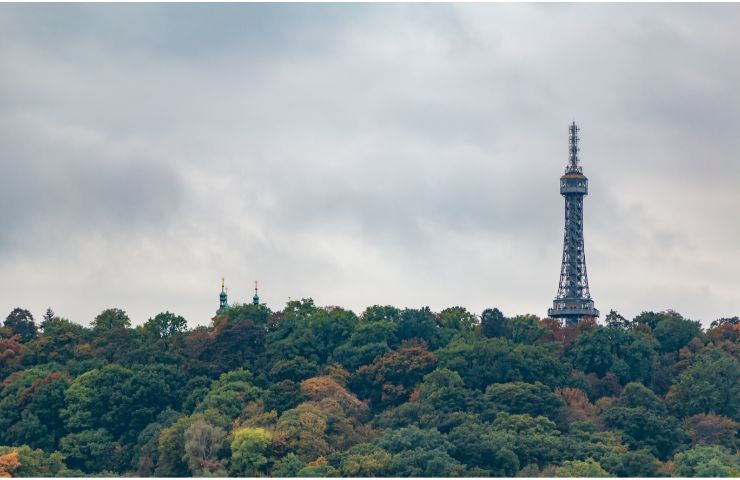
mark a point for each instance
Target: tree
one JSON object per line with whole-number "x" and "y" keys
{"x": 324, "y": 387}
{"x": 390, "y": 379}
{"x": 478, "y": 445}
{"x": 172, "y": 459}
{"x": 38, "y": 463}
{"x": 8, "y": 463}
{"x": 146, "y": 451}
{"x": 109, "y": 319}
{"x": 637, "y": 463}
{"x": 493, "y": 323}
{"x": 615, "y": 320}
{"x": 706, "y": 461}
{"x": 592, "y": 352}
{"x": 642, "y": 428}
{"x": 304, "y": 431}
{"x": 230, "y": 393}
{"x": 498, "y": 360}
{"x": 369, "y": 340}
{"x": 247, "y": 451}
{"x": 674, "y": 332}
{"x": 282, "y": 396}
{"x": 425, "y": 463}
{"x": 288, "y": 466}
{"x": 120, "y": 400}
{"x": 11, "y": 354}
{"x": 710, "y": 385}
{"x": 378, "y": 313}
{"x": 535, "y": 399}
{"x": 442, "y": 400}
{"x": 365, "y": 460}
{"x": 203, "y": 442}
{"x": 294, "y": 369}
{"x": 578, "y": 408}
{"x": 419, "y": 324}
{"x": 165, "y": 325}
{"x": 61, "y": 342}
{"x": 233, "y": 345}
{"x": 457, "y": 319}
{"x": 525, "y": 329}
{"x": 20, "y": 322}
{"x": 578, "y": 468}
{"x": 30, "y": 406}
{"x": 89, "y": 450}
{"x": 533, "y": 440}
{"x": 713, "y": 429}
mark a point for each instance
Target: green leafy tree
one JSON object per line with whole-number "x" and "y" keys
{"x": 288, "y": 466}
{"x": 89, "y": 450}
{"x": 631, "y": 463}
{"x": 642, "y": 419}
{"x": 419, "y": 324}
{"x": 109, "y": 319}
{"x": 171, "y": 461}
{"x": 230, "y": 393}
{"x": 497, "y": 360}
{"x": 710, "y": 385}
{"x": 457, "y": 319}
{"x": 525, "y": 329}
{"x": 674, "y": 332}
{"x": 535, "y": 399}
{"x": 369, "y": 340}
{"x": 30, "y": 406}
{"x": 479, "y": 445}
{"x": 381, "y": 313}
{"x": 120, "y": 400}
{"x": 294, "y": 369}
{"x": 580, "y": 468}
{"x": 707, "y": 461}
{"x": 536, "y": 440}
{"x": 493, "y": 323}
{"x": 248, "y": 451}
{"x": 61, "y": 342}
{"x": 164, "y": 325}
{"x": 146, "y": 451}
{"x": 592, "y": 351}
{"x": 365, "y": 460}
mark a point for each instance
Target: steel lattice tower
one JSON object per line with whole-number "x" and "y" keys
{"x": 573, "y": 300}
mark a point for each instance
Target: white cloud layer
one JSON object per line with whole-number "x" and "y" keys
{"x": 364, "y": 154}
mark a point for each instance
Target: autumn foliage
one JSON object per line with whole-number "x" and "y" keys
{"x": 321, "y": 391}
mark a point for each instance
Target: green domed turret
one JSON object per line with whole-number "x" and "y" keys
{"x": 256, "y": 298}
{"x": 222, "y": 298}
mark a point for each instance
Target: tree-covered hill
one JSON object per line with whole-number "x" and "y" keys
{"x": 312, "y": 391}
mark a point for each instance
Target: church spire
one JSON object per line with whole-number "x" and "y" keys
{"x": 256, "y": 298}
{"x": 222, "y": 298}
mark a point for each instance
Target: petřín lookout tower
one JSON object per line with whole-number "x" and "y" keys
{"x": 573, "y": 300}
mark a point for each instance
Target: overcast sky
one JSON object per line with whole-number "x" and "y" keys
{"x": 366, "y": 154}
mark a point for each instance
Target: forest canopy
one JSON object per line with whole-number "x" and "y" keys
{"x": 321, "y": 391}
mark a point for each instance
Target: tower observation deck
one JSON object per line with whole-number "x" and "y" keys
{"x": 573, "y": 300}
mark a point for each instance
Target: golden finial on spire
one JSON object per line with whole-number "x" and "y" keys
{"x": 222, "y": 283}
{"x": 255, "y": 286}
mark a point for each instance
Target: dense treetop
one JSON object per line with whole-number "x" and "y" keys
{"x": 321, "y": 391}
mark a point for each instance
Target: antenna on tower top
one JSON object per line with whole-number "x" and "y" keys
{"x": 574, "y": 149}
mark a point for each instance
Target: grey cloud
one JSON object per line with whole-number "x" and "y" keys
{"x": 363, "y": 154}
